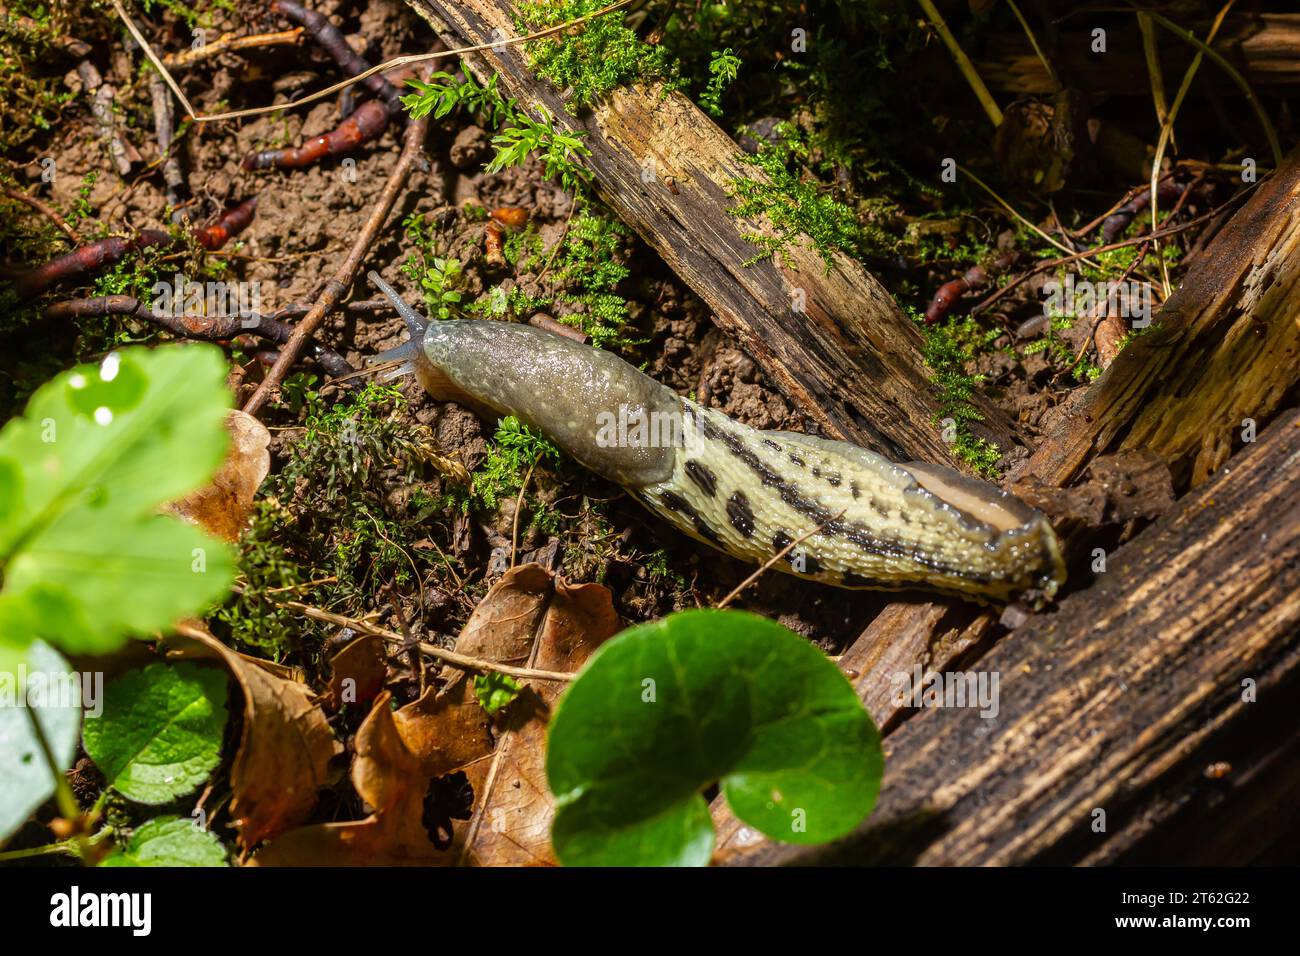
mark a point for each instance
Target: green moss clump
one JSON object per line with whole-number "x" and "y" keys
{"x": 602, "y": 56}
{"x": 799, "y": 206}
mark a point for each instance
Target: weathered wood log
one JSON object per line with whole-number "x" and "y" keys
{"x": 1264, "y": 47}
{"x": 833, "y": 341}
{"x": 1127, "y": 716}
{"x": 1225, "y": 347}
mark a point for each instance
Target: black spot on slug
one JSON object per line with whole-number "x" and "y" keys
{"x": 702, "y": 476}
{"x": 676, "y": 502}
{"x": 771, "y": 444}
{"x": 797, "y": 460}
{"x": 857, "y": 492}
{"x": 780, "y": 541}
{"x": 833, "y": 480}
{"x": 741, "y": 514}
{"x": 817, "y": 472}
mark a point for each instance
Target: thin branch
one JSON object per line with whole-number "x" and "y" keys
{"x": 1167, "y": 131}
{"x": 963, "y": 62}
{"x": 462, "y": 661}
{"x": 229, "y": 43}
{"x": 19, "y": 196}
{"x": 210, "y": 328}
{"x": 772, "y": 560}
{"x": 381, "y": 68}
{"x": 153, "y": 57}
{"x": 341, "y": 280}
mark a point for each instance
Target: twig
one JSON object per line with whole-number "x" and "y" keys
{"x": 101, "y": 107}
{"x": 229, "y": 43}
{"x": 1269, "y": 132}
{"x": 163, "y": 128}
{"x": 963, "y": 62}
{"x": 1033, "y": 41}
{"x": 385, "y": 66}
{"x": 1167, "y": 130}
{"x": 1021, "y": 219}
{"x": 19, "y": 196}
{"x": 341, "y": 280}
{"x": 153, "y": 57}
{"x": 519, "y": 505}
{"x": 462, "y": 661}
{"x": 773, "y": 559}
{"x": 207, "y": 327}
{"x": 1054, "y": 263}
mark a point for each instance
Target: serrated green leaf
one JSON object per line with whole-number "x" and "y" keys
{"x": 25, "y": 778}
{"x": 665, "y": 709}
{"x": 160, "y": 733}
{"x": 85, "y": 558}
{"x": 169, "y": 841}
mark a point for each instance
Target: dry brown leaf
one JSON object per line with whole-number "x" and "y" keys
{"x": 448, "y": 729}
{"x": 528, "y": 617}
{"x": 390, "y": 779}
{"x": 222, "y": 506}
{"x": 363, "y": 663}
{"x": 285, "y": 748}
{"x": 511, "y": 823}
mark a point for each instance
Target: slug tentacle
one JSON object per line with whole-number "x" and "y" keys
{"x": 870, "y": 523}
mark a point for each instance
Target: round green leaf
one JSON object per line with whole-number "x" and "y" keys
{"x": 169, "y": 841}
{"x": 665, "y": 709}
{"x": 160, "y": 733}
{"x": 25, "y": 778}
{"x": 87, "y": 559}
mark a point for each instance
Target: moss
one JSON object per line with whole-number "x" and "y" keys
{"x": 948, "y": 347}
{"x": 800, "y": 208}
{"x": 600, "y": 57}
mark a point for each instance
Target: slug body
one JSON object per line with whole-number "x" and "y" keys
{"x": 869, "y": 523}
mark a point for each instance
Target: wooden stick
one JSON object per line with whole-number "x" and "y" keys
{"x": 341, "y": 280}
{"x": 462, "y": 661}
{"x": 229, "y": 43}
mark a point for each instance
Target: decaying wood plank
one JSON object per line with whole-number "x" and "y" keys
{"x": 833, "y": 341}
{"x": 1225, "y": 346}
{"x": 1185, "y": 654}
{"x": 1264, "y": 47}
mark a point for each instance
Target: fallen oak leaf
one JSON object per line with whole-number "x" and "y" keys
{"x": 393, "y": 783}
{"x": 286, "y": 745}
{"x": 223, "y": 505}
{"x": 447, "y": 728}
{"x": 513, "y": 808}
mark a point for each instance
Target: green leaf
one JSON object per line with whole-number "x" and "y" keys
{"x": 665, "y": 709}
{"x": 495, "y": 690}
{"x": 25, "y": 778}
{"x": 169, "y": 841}
{"x": 86, "y": 560}
{"x": 160, "y": 733}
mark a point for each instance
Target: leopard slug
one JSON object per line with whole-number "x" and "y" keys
{"x": 869, "y": 523}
